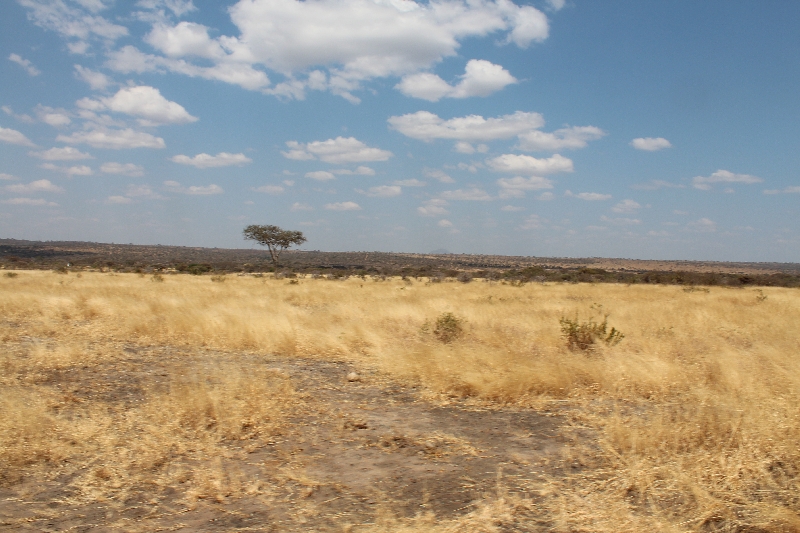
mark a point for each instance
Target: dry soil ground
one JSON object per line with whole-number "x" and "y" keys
{"x": 353, "y": 453}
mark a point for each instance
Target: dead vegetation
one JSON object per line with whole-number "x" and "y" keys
{"x": 689, "y": 424}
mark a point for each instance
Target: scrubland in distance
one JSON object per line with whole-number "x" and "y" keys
{"x": 696, "y": 410}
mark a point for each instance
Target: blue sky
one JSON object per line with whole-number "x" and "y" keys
{"x": 652, "y": 130}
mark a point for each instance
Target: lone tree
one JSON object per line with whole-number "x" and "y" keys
{"x": 274, "y": 238}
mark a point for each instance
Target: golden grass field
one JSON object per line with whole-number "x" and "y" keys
{"x": 691, "y": 423}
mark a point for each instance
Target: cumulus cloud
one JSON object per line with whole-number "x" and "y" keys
{"x": 7, "y": 135}
{"x": 72, "y": 22}
{"x": 650, "y": 144}
{"x": 359, "y": 171}
{"x": 124, "y": 169}
{"x": 382, "y": 191}
{"x": 723, "y": 176}
{"x": 96, "y": 80}
{"x": 565, "y": 138}
{"x": 118, "y": 200}
{"x": 297, "y": 206}
{"x": 463, "y": 147}
{"x": 53, "y": 117}
{"x": 621, "y": 221}
{"x": 143, "y": 191}
{"x": 473, "y": 194}
{"x": 533, "y": 183}
{"x": 481, "y": 78}
{"x": 654, "y": 185}
{"x": 410, "y": 183}
{"x": 67, "y": 153}
{"x": 222, "y": 159}
{"x": 511, "y": 208}
{"x": 444, "y": 223}
{"x": 703, "y": 225}
{"x": 29, "y": 201}
{"x": 433, "y": 207}
{"x": 24, "y": 63}
{"x": 34, "y": 187}
{"x": 426, "y": 126}
{"x": 144, "y": 102}
{"x": 270, "y": 189}
{"x": 79, "y": 170}
{"x": 525, "y": 164}
{"x": 21, "y": 117}
{"x": 7, "y": 177}
{"x": 626, "y": 206}
{"x": 438, "y": 175}
{"x": 589, "y": 196}
{"x": 343, "y": 206}
{"x": 320, "y": 175}
{"x": 340, "y": 150}
{"x": 113, "y": 139}
{"x": 531, "y": 222}
{"x": 197, "y": 190}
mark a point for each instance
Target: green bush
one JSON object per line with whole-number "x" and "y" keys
{"x": 448, "y": 328}
{"x": 583, "y": 335}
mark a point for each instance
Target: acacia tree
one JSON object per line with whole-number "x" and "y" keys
{"x": 274, "y": 238}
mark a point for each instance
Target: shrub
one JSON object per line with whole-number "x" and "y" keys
{"x": 158, "y": 278}
{"x": 218, "y": 278}
{"x": 464, "y": 277}
{"x": 583, "y": 335}
{"x": 448, "y": 327}
{"x": 11, "y": 274}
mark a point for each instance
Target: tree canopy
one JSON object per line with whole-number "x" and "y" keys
{"x": 274, "y": 238}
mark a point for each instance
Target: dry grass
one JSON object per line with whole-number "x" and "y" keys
{"x": 696, "y": 410}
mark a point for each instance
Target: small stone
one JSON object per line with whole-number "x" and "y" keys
{"x": 352, "y": 376}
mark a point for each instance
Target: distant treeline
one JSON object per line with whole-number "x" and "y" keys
{"x": 431, "y": 272}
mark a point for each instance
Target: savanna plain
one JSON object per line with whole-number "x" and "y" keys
{"x": 246, "y": 403}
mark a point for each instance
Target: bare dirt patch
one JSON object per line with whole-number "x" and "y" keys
{"x": 350, "y": 451}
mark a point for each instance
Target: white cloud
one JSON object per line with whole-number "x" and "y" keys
{"x": 481, "y": 78}
{"x": 570, "y": 138}
{"x": 626, "y": 206}
{"x": 444, "y": 223}
{"x": 531, "y": 222}
{"x": 118, "y": 200}
{"x": 174, "y": 186}
{"x": 621, "y": 221}
{"x": 10, "y": 136}
{"x": 22, "y": 118}
{"x": 144, "y": 102}
{"x": 589, "y": 196}
{"x": 24, "y": 63}
{"x": 29, "y": 201}
{"x": 184, "y": 39}
{"x": 297, "y": 206}
{"x": 113, "y": 139}
{"x": 222, "y": 159}
{"x": 96, "y": 80}
{"x": 270, "y": 189}
{"x": 703, "y": 225}
{"x": 556, "y": 5}
{"x": 525, "y": 164}
{"x": 129, "y": 59}
{"x": 511, "y": 208}
{"x": 473, "y": 194}
{"x": 343, "y": 206}
{"x": 650, "y": 144}
{"x": 178, "y": 7}
{"x": 81, "y": 170}
{"x": 723, "y": 176}
{"x": 143, "y": 191}
{"x": 426, "y": 126}
{"x": 410, "y": 183}
{"x": 359, "y": 171}
{"x": 546, "y": 197}
{"x": 34, "y": 187}
{"x": 337, "y": 151}
{"x": 654, "y": 185}
{"x": 320, "y": 175}
{"x": 525, "y": 184}
{"x": 794, "y": 189}
{"x": 464, "y": 147}
{"x": 70, "y": 22}
{"x": 433, "y": 207}
{"x": 7, "y": 177}
{"x": 382, "y": 191}
{"x": 125, "y": 169}
{"x": 67, "y": 153}
{"x": 53, "y": 117}
{"x": 438, "y": 175}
